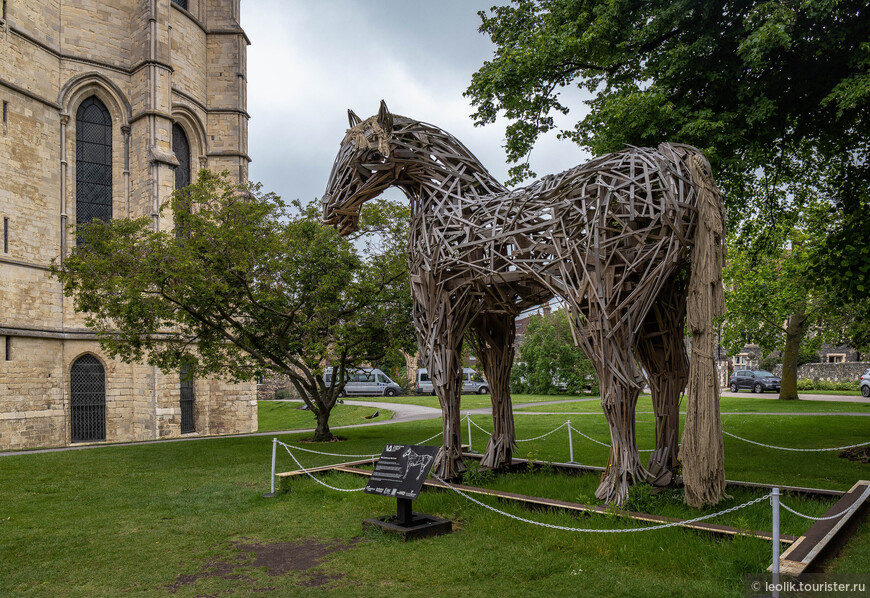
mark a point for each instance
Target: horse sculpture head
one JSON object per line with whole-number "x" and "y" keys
{"x": 362, "y": 170}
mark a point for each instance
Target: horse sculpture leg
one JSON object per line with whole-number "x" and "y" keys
{"x": 662, "y": 351}
{"x": 440, "y": 320}
{"x": 619, "y": 391}
{"x": 494, "y": 347}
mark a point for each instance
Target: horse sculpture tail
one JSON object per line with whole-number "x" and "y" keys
{"x": 702, "y": 451}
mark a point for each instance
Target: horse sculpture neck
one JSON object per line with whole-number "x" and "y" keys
{"x": 438, "y": 170}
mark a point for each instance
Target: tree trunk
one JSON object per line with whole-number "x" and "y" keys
{"x": 793, "y": 335}
{"x": 322, "y": 433}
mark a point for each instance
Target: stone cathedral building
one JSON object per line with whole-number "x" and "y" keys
{"x": 107, "y": 107}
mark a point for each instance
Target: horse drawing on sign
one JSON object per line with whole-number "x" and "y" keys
{"x": 415, "y": 460}
{"x": 631, "y": 242}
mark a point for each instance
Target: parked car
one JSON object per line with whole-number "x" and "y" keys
{"x": 756, "y": 380}
{"x": 366, "y": 382}
{"x": 471, "y": 382}
{"x": 865, "y": 383}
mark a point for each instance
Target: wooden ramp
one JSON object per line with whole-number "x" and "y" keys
{"x": 822, "y": 534}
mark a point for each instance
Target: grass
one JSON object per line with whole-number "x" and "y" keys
{"x": 276, "y": 415}
{"x": 727, "y": 404}
{"x": 468, "y": 401}
{"x": 145, "y": 520}
{"x": 847, "y": 393}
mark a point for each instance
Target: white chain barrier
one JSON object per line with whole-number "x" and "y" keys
{"x": 357, "y": 456}
{"x": 590, "y": 438}
{"x": 605, "y": 530}
{"x": 519, "y": 439}
{"x": 797, "y": 450}
{"x": 854, "y": 506}
{"x": 313, "y": 477}
{"x": 542, "y": 435}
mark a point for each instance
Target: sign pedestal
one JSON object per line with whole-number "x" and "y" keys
{"x": 400, "y": 472}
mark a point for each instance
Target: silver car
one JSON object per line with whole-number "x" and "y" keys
{"x": 865, "y": 383}
{"x": 472, "y": 382}
{"x": 366, "y": 382}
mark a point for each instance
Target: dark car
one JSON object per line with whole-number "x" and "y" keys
{"x": 865, "y": 383}
{"x": 756, "y": 380}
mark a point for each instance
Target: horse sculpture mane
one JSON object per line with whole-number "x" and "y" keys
{"x": 623, "y": 240}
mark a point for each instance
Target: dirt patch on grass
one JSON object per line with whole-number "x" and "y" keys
{"x": 282, "y": 557}
{"x": 278, "y": 558}
{"x": 860, "y": 454}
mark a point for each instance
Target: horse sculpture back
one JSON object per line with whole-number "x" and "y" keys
{"x": 616, "y": 239}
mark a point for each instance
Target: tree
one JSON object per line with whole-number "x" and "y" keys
{"x": 243, "y": 285}
{"x": 777, "y": 94}
{"x": 549, "y": 358}
{"x": 768, "y": 302}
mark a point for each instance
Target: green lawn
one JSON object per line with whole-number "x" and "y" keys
{"x": 170, "y": 519}
{"x": 468, "y": 401}
{"x": 748, "y": 403}
{"x": 278, "y": 415}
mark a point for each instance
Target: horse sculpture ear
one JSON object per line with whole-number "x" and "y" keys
{"x": 352, "y": 118}
{"x": 385, "y": 119}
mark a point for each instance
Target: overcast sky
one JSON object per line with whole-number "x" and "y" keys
{"x": 311, "y": 61}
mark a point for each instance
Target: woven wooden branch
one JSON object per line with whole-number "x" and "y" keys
{"x": 613, "y": 238}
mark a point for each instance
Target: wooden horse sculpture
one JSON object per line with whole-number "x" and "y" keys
{"x": 623, "y": 240}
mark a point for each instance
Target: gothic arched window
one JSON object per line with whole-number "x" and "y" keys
{"x": 93, "y": 162}
{"x": 181, "y": 147}
{"x": 87, "y": 382}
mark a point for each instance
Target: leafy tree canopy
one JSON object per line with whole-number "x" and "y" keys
{"x": 549, "y": 362}
{"x": 776, "y": 93}
{"x": 244, "y": 285}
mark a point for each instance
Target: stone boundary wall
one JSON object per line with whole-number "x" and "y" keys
{"x": 272, "y": 384}
{"x": 848, "y": 371}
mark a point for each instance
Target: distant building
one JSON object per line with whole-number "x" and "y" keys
{"x": 107, "y": 107}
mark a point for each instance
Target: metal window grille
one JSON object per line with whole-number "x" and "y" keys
{"x": 93, "y": 162}
{"x": 87, "y": 400}
{"x": 187, "y": 400}
{"x": 181, "y": 3}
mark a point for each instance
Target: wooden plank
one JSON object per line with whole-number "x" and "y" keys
{"x": 807, "y": 549}
{"x": 289, "y": 474}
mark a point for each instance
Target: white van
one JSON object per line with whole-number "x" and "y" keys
{"x": 471, "y": 382}
{"x": 366, "y": 382}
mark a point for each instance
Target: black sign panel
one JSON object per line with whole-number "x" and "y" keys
{"x": 401, "y": 470}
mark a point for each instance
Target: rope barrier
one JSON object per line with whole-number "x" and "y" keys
{"x": 330, "y": 454}
{"x": 854, "y": 506}
{"x": 310, "y": 475}
{"x": 605, "y": 530}
{"x": 797, "y": 450}
{"x": 473, "y": 423}
{"x": 358, "y": 456}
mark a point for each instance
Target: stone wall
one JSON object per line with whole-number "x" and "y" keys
{"x": 272, "y": 384}
{"x": 834, "y": 372}
{"x": 152, "y": 64}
